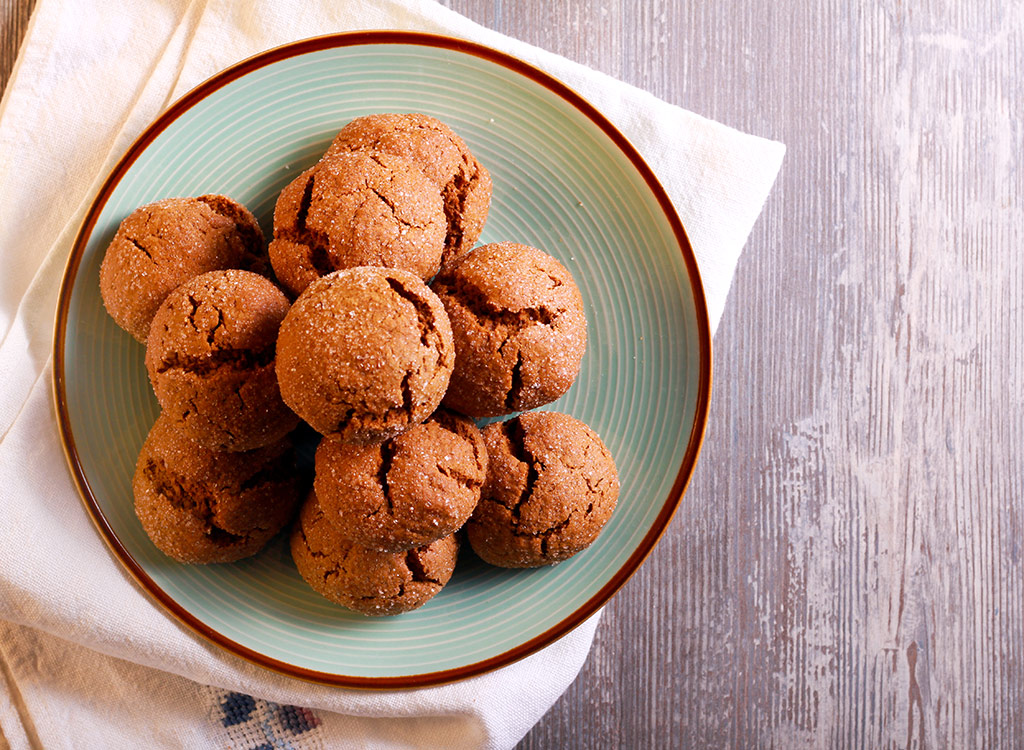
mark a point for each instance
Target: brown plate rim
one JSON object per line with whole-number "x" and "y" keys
{"x": 360, "y": 38}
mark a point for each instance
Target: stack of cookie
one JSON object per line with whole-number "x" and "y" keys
{"x": 216, "y": 478}
{"x": 389, "y": 335}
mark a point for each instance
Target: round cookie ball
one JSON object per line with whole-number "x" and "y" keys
{"x": 367, "y": 580}
{"x": 203, "y": 506}
{"x": 210, "y": 358}
{"x": 358, "y": 209}
{"x": 551, "y": 487}
{"x": 161, "y": 245}
{"x": 365, "y": 353}
{"x": 443, "y": 156}
{"x": 519, "y": 327}
{"x": 407, "y": 491}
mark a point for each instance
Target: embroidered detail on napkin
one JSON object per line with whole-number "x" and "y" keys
{"x": 249, "y": 723}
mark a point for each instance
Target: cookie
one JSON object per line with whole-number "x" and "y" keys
{"x": 366, "y": 580}
{"x": 211, "y": 360}
{"x": 443, "y": 156}
{"x": 161, "y": 245}
{"x": 408, "y": 491}
{"x": 203, "y": 506}
{"x": 519, "y": 327}
{"x": 357, "y": 209}
{"x": 365, "y": 353}
{"x": 551, "y": 487}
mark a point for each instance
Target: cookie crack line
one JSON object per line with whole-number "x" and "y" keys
{"x": 335, "y": 572}
{"x": 424, "y": 314}
{"x": 407, "y": 399}
{"x": 387, "y": 454}
{"x": 193, "y": 499}
{"x": 470, "y": 483}
{"x": 545, "y": 534}
{"x": 516, "y": 437}
{"x": 305, "y": 201}
{"x": 211, "y": 335}
{"x": 222, "y": 538}
{"x": 314, "y": 553}
{"x": 140, "y": 247}
{"x": 192, "y": 314}
{"x": 243, "y": 360}
{"x": 319, "y": 258}
{"x": 461, "y": 429}
{"x": 317, "y": 243}
{"x": 454, "y": 195}
{"x": 475, "y": 302}
{"x": 192, "y": 409}
{"x": 345, "y": 420}
{"x": 418, "y": 569}
{"x": 515, "y": 388}
{"x": 394, "y": 211}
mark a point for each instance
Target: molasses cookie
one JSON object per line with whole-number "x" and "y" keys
{"x": 407, "y": 491}
{"x": 551, "y": 486}
{"x": 203, "y": 506}
{"x": 519, "y": 327}
{"x": 366, "y": 580}
{"x": 161, "y": 245}
{"x": 210, "y": 358}
{"x": 443, "y": 157}
{"x": 357, "y": 209}
{"x": 365, "y": 353}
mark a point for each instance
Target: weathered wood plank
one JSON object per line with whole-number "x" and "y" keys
{"x": 13, "y": 23}
{"x": 846, "y": 571}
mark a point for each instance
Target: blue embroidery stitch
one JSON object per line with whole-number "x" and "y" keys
{"x": 297, "y": 719}
{"x": 237, "y": 707}
{"x": 254, "y": 724}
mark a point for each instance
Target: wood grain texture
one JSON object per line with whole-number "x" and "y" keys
{"x": 846, "y": 568}
{"x": 14, "y": 16}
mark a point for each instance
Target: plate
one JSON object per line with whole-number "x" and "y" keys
{"x": 566, "y": 181}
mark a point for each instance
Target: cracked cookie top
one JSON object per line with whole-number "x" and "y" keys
{"x": 442, "y": 156}
{"x": 407, "y": 491}
{"x": 357, "y": 209}
{"x": 367, "y": 580}
{"x": 161, "y": 245}
{"x": 365, "y": 353}
{"x": 211, "y": 360}
{"x": 203, "y": 506}
{"x": 551, "y": 487}
{"x": 519, "y": 328}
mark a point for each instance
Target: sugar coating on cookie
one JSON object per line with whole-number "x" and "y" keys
{"x": 445, "y": 159}
{"x": 161, "y": 245}
{"x": 551, "y": 487}
{"x": 365, "y": 353}
{"x": 358, "y": 209}
{"x": 211, "y": 360}
{"x": 407, "y": 491}
{"x": 519, "y": 326}
{"x": 366, "y": 580}
{"x": 203, "y": 506}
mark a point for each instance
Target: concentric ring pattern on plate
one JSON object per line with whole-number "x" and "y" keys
{"x": 561, "y": 183}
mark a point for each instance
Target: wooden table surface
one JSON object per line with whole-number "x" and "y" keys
{"x": 846, "y": 569}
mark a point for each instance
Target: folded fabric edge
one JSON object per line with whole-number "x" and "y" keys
{"x": 17, "y": 731}
{"x": 560, "y": 666}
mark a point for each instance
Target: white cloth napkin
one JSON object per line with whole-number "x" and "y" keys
{"x": 86, "y": 658}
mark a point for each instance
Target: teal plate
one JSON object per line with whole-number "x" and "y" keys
{"x": 566, "y": 181}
